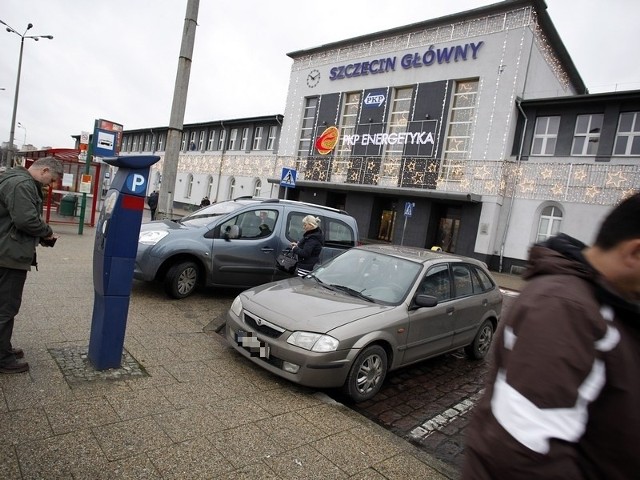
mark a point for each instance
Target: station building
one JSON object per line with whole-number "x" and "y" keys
{"x": 472, "y": 132}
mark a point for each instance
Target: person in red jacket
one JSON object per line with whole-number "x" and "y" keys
{"x": 563, "y": 397}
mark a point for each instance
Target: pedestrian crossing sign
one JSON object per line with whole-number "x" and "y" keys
{"x": 288, "y": 179}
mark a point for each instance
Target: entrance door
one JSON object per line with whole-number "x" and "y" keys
{"x": 387, "y": 222}
{"x": 448, "y": 228}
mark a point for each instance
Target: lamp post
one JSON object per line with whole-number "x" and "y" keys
{"x": 15, "y": 98}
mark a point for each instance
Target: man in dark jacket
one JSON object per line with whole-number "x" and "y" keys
{"x": 563, "y": 398}
{"x": 308, "y": 249}
{"x": 152, "y": 201}
{"x": 21, "y": 229}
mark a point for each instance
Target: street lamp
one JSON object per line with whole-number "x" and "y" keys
{"x": 15, "y": 98}
{"x": 24, "y": 140}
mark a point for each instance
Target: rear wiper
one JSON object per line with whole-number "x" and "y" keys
{"x": 352, "y": 292}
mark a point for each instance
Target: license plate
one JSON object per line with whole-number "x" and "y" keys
{"x": 252, "y": 344}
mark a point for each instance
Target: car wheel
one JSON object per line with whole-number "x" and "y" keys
{"x": 367, "y": 374}
{"x": 181, "y": 279}
{"x": 480, "y": 346}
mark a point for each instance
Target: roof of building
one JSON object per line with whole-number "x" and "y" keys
{"x": 543, "y": 18}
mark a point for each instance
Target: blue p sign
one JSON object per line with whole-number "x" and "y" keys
{"x": 136, "y": 183}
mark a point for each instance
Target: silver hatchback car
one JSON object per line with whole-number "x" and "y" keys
{"x": 372, "y": 309}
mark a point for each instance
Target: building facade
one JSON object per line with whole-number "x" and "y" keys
{"x": 472, "y": 132}
{"x": 219, "y": 159}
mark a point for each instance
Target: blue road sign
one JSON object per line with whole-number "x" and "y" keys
{"x": 288, "y": 178}
{"x": 408, "y": 209}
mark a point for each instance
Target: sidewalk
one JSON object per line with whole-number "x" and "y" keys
{"x": 184, "y": 405}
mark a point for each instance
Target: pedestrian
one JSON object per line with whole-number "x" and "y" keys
{"x": 152, "y": 201}
{"x": 563, "y": 396}
{"x": 205, "y": 202}
{"x": 22, "y": 228}
{"x": 308, "y": 249}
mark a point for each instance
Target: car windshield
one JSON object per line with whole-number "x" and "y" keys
{"x": 378, "y": 277}
{"x": 204, "y": 215}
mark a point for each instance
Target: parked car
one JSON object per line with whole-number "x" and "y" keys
{"x": 233, "y": 243}
{"x": 373, "y": 309}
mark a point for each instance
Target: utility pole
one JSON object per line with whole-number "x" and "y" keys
{"x": 176, "y": 122}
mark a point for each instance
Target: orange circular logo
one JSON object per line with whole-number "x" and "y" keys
{"x": 328, "y": 140}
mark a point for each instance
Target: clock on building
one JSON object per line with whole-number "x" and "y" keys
{"x": 313, "y": 78}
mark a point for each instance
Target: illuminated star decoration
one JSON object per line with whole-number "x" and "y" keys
{"x": 464, "y": 184}
{"x": 546, "y": 173}
{"x": 483, "y": 172}
{"x": 527, "y": 186}
{"x": 592, "y": 192}
{"x": 580, "y": 175}
{"x": 557, "y": 189}
{"x": 615, "y": 179}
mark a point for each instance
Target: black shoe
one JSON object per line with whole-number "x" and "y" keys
{"x": 16, "y": 367}
{"x": 18, "y": 352}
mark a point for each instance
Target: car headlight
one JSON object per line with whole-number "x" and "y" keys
{"x": 151, "y": 237}
{"x": 236, "y": 306}
{"x": 315, "y": 342}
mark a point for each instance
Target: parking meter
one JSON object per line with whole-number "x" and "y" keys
{"x": 114, "y": 255}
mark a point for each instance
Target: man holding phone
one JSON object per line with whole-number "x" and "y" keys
{"x": 22, "y": 228}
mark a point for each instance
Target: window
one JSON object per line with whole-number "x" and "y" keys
{"x": 628, "y": 135}
{"x": 482, "y": 281}
{"x": 271, "y": 139}
{"x": 134, "y": 144}
{"x": 212, "y": 135}
{"x": 461, "y": 119}
{"x": 306, "y": 131}
{"x": 462, "y": 281}
{"x": 437, "y": 283}
{"x": 161, "y": 137}
{"x": 253, "y": 224}
{"x": 232, "y": 138}
{"x": 192, "y": 141}
{"x": 154, "y": 137}
{"x": 147, "y": 143}
{"x": 348, "y": 120}
{"x": 183, "y": 143}
{"x": 221, "y": 139}
{"x": 203, "y": 135}
{"x": 549, "y": 224}
{"x": 245, "y": 138}
{"x": 587, "y": 134}
{"x": 257, "y": 188}
{"x": 337, "y": 233}
{"x": 189, "y": 186}
{"x": 257, "y": 138}
{"x": 545, "y": 136}
{"x": 210, "y": 186}
{"x": 232, "y": 188}
{"x": 399, "y": 120}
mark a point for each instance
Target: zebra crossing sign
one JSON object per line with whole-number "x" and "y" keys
{"x": 288, "y": 178}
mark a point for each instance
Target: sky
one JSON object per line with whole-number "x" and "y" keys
{"x": 117, "y": 60}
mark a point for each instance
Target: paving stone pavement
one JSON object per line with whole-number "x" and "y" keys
{"x": 185, "y": 405}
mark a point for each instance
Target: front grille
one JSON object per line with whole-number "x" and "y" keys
{"x": 262, "y": 326}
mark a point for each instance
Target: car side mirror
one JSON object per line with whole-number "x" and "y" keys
{"x": 425, "y": 301}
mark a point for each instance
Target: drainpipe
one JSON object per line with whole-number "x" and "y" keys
{"x": 513, "y": 191}
{"x": 224, "y": 130}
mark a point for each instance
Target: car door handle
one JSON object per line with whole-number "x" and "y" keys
{"x": 450, "y": 310}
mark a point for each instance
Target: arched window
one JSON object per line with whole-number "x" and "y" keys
{"x": 257, "y": 188}
{"x": 210, "y": 187}
{"x": 189, "y": 186}
{"x": 549, "y": 224}
{"x": 232, "y": 188}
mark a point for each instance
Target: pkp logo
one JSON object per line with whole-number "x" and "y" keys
{"x": 136, "y": 183}
{"x": 374, "y": 100}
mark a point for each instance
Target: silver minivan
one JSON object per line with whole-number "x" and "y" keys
{"x": 233, "y": 243}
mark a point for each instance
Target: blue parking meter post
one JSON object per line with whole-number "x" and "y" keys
{"x": 114, "y": 255}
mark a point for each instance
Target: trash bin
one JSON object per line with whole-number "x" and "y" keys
{"x": 68, "y": 205}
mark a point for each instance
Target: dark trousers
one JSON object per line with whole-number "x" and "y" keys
{"x": 11, "y": 287}
{"x": 153, "y": 213}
